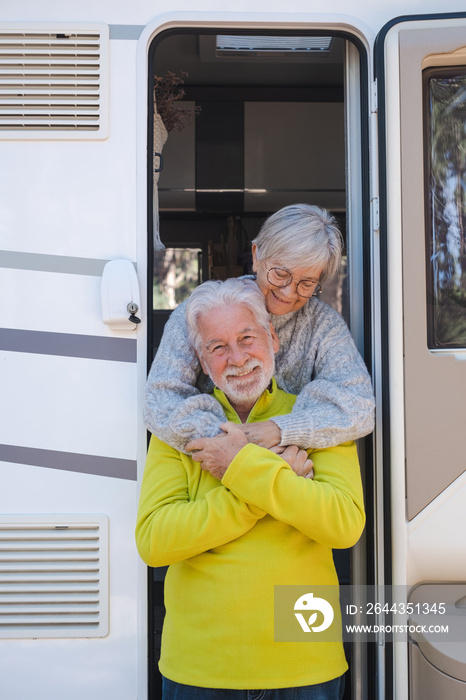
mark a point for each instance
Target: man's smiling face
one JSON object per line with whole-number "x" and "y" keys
{"x": 237, "y": 353}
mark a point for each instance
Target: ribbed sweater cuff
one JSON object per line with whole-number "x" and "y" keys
{"x": 295, "y": 430}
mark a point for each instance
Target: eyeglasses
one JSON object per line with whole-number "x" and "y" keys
{"x": 281, "y": 277}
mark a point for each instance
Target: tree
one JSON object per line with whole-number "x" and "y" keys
{"x": 447, "y": 160}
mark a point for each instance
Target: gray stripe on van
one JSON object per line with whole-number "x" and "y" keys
{"x": 70, "y": 461}
{"x": 68, "y": 345}
{"x": 52, "y": 263}
{"x": 126, "y": 31}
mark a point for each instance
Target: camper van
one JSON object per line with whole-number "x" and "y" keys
{"x": 109, "y": 218}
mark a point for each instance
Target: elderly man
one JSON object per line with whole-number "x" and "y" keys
{"x": 243, "y": 524}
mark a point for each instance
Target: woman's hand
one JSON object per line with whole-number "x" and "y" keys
{"x": 297, "y": 459}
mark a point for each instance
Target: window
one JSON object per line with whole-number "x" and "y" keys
{"x": 445, "y": 141}
{"x": 177, "y": 271}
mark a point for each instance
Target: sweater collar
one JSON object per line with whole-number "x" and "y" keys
{"x": 260, "y": 408}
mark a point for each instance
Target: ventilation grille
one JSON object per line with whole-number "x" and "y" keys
{"x": 54, "y": 577}
{"x": 247, "y": 45}
{"x": 54, "y": 81}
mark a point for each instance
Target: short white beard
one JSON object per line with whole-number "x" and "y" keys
{"x": 248, "y": 391}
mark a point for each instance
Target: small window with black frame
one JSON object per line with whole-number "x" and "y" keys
{"x": 445, "y": 186}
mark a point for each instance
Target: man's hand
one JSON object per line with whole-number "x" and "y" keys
{"x": 215, "y": 454}
{"x": 265, "y": 433}
{"x": 297, "y": 459}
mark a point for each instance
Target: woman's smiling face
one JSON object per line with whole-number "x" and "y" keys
{"x": 282, "y": 300}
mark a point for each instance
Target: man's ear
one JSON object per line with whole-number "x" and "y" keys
{"x": 203, "y": 364}
{"x": 254, "y": 257}
{"x": 275, "y": 341}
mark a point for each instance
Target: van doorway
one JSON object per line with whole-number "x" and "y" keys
{"x": 269, "y": 119}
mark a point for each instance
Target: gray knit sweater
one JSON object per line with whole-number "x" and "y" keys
{"x": 317, "y": 360}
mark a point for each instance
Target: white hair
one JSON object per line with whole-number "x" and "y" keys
{"x": 301, "y": 235}
{"x": 214, "y": 293}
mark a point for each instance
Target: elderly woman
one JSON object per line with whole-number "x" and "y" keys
{"x": 296, "y": 250}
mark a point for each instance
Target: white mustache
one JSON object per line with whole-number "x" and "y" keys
{"x": 245, "y": 369}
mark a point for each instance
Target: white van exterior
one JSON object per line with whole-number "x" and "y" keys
{"x": 76, "y": 195}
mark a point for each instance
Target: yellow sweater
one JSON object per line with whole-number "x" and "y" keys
{"x": 229, "y": 543}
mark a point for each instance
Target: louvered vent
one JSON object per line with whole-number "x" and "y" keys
{"x": 53, "y": 577}
{"x": 54, "y": 83}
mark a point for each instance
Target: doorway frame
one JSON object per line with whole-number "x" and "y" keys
{"x": 358, "y": 205}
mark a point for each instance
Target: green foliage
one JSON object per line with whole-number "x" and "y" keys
{"x": 176, "y": 274}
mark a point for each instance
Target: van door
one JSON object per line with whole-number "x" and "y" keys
{"x": 421, "y": 75}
